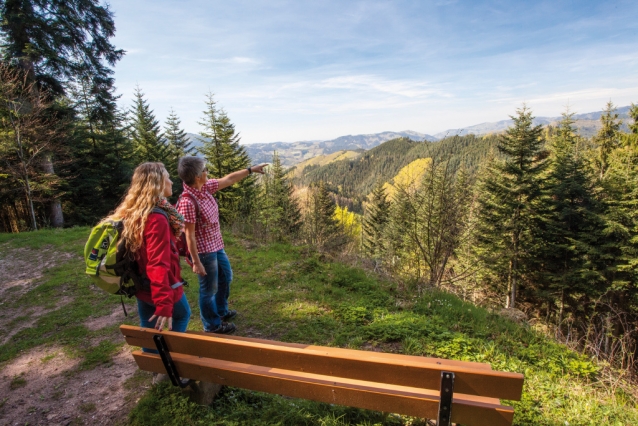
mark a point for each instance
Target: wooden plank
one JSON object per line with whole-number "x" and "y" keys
{"x": 354, "y": 393}
{"x": 352, "y": 365}
{"x": 370, "y": 354}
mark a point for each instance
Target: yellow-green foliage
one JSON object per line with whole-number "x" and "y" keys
{"x": 408, "y": 177}
{"x": 349, "y": 221}
{"x": 322, "y": 160}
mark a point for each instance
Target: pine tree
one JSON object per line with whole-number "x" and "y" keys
{"x": 103, "y": 158}
{"x": 56, "y": 43}
{"x": 607, "y": 138}
{"x": 283, "y": 191}
{"x": 220, "y": 146}
{"x": 178, "y": 145}
{"x": 321, "y": 228}
{"x": 507, "y": 194}
{"x": 569, "y": 229}
{"x": 278, "y": 210}
{"x": 617, "y": 248}
{"x": 146, "y": 135}
{"x": 375, "y": 221}
{"x": 633, "y": 114}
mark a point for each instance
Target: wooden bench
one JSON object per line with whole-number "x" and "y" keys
{"x": 466, "y": 393}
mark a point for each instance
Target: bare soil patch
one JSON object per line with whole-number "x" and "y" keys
{"x": 21, "y": 268}
{"x": 44, "y": 387}
{"x": 31, "y": 313}
{"x": 115, "y": 317}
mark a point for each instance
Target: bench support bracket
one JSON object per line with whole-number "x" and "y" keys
{"x": 445, "y": 402}
{"x": 169, "y": 365}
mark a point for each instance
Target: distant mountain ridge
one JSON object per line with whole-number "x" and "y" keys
{"x": 292, "y": 153}
{"x": 587, "y": 124}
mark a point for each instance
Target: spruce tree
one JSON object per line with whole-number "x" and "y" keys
{"x": 374, "y": 222}
{"x": 607, "y": 138}
{"x": 283, "y": 192}
{"x": 570, "y": 227}
{"x": 56, "y": 43}
{"x": 617, "y": 248}
{"x": 278, "y": 209}
{"x": 147, "y": 137}
{"x": 507, "y": 194}
{"x": 633, "y": 114}
{"x": 178, "y": 145}
{"x": 222, "y": 150}
{"x": 321, "y": 228}
{"x": 103, "y": 163}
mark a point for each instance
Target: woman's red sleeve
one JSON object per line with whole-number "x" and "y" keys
{"x": 158, "y": 252}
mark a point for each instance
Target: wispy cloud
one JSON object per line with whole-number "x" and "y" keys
{"x": 291, "y": 70}
{"x": 233, "y": 60}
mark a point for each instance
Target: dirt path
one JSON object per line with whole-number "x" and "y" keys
{"x": 46, "y": 386}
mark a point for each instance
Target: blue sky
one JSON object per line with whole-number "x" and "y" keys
{"x": 294, "y": 70}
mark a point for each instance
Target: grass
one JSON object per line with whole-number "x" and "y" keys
{"x": 293, "y": 294}
{"x": 17, "y": 382}
{"x": 64, "y": 298}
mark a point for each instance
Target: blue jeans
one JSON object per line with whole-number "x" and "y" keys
{"x": 214, "y": 288}
{"x": 181, "y": 316}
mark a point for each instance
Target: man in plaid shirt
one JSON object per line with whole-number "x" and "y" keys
{"x": 204, "y": 240}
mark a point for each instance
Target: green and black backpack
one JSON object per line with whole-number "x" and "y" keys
{"x": 111, "y": 266}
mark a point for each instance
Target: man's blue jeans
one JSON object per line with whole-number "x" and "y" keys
{"x": 214, "y": 288}
{"x": 181, "y": 316}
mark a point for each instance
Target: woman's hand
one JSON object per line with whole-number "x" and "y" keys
{"x": 161, "y": 322}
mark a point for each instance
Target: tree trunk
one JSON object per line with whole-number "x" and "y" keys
{"x": 55, "y": 209}
{"x": 513, "y": 294}
{"x": 34, "y": 223}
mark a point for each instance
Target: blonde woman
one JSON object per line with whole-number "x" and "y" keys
{"x": 151, "y": 228}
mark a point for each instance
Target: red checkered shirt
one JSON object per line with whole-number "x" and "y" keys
{"x": 207, "y": 231}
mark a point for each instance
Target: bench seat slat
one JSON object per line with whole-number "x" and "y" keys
{"x": 466, "y": 410}
{"x": 359, "y": 353}
{"x": 403, "y": 372}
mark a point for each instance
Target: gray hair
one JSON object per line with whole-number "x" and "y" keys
{"x": 189, "y": 168}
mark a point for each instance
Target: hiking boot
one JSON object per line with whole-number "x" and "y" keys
{"x": 229, "y": 315}
{"x": 224, "y": 328}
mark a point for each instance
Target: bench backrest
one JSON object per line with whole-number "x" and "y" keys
{"x": 379, "y": 381}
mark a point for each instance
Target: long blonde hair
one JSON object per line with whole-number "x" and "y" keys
{"x": 147, "y": 188}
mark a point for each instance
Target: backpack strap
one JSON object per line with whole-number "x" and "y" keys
{"x": 193, "y": 200}
{"x": 161, "y": 211}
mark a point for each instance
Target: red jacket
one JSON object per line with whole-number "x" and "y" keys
{"x": 158, "y": 256}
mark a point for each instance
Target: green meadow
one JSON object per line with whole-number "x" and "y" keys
{"x": 295, "y": 294}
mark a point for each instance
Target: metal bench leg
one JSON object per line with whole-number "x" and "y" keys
{"x": 445, "y": 402}
{"x": 171, "y": 370}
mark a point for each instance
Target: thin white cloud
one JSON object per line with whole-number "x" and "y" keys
{"x": 233, "y": 60}
{"x": 574, "y": 95}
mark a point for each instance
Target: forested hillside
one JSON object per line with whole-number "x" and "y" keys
{"x": 355, "y": 178}
{"x": 537, "y": 219}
